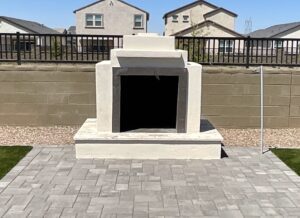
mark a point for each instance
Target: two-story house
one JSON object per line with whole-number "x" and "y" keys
{"x": 111, "y": 17}
{"x": 200, "y": 18}
{"x": 108, "y": 17}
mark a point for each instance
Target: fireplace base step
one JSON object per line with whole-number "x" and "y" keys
{"x": 141, "y": 145}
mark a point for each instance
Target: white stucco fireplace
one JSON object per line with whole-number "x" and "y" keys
{"x": 148, "y": 105}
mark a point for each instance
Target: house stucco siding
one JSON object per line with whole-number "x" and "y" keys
{"x": 8, "y": 28}
{"x": 226, "y": 20}
{"x": 196, "y": 16}
{"x": 291, "y": 34}
{"x": 118, "y": 19}
{"x": 208, "y": 31}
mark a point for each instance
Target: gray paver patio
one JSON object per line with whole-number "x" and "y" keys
{"x": 50, "y": 182}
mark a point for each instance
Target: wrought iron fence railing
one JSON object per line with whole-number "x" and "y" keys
{"x": 65, "y": 48}
{"x": 57, "y": 48}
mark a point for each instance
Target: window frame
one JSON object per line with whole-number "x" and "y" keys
{"x": 226, "y": 45}
{"x": 186, "y": 20}
{"x": 173, "y": 18}
{"x": 278, "y": 44}
{"x": 94, "y": 20}
{"x": 142, "y": 21}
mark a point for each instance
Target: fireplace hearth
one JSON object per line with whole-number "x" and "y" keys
{"x": 148, "y": 105}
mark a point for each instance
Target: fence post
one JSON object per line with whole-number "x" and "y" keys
{"x": 248, "y": 52}
{"x": 18, "y": 49}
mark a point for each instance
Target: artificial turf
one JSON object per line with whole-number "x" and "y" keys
{"x": 10, "y": 156}
{"x": 290, "y": 157}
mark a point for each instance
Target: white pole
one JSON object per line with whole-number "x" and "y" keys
{"x": 262, "y": 109}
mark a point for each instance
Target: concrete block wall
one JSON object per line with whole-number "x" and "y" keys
{"x": 44, "y": 95}
{"x": 232, "y": 97}
{"x": 41, "y": 94}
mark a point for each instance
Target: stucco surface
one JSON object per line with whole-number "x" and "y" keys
{"x": 118, "y": 19}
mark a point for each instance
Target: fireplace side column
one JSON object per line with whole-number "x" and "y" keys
{"x": 104, "y": 93}
{"x": 193, "y": 118}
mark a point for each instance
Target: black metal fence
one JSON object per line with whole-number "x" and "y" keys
{"x": 60, "y": 48}
{"x": 241, "y": 51}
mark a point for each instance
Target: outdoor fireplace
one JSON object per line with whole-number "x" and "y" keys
{"x": 148, "y": 105}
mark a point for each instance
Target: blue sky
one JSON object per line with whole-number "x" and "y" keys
{"x": 59, "y": 13}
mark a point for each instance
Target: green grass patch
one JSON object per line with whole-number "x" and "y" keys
{"x": 10, "y": 156}
{"x": 290, "y": 157}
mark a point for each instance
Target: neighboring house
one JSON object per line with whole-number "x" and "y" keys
{"x": 108, "y": 17}
{"x": 281, "y": 31}
{"x": 61, "y": 30}
{"x": 200, "y": 18}
{"x": 14, "y": 25}
{"x": 72, "y": 30}
{"x": 111, "y": 17}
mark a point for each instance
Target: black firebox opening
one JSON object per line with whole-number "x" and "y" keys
{"x": 148, "y": 102}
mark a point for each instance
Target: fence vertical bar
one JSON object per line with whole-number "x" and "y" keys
{"x": 193, "y": 49}
{"x": 11, "y": 47}
{"x": 66, "y": 44}
{"x": 92, "y": 48}
{"x": 71, "y": 47}
{"x": 203, "y": 49}
{"x": 208, "y": 51}
{"x": 45, "y": 47}
{"x": 267, "y": 51}
{"x": 61, "y": 47}
{"x": 24, "y": 47}
{"x": 5, "y": 43}
{"x": 35, "y": 44}
{"x": 29, "y": 38}
{"x": 18, "y": 49}
{"x": 292, "y": 52}
{"x": 297, "y": 51}
{"x": 97, "y": 48}
{"x": 248, "y": 52}
{"x": 1, "y": 46}
{"x": 108, "y": 47}
{"x": 76, "y": 47}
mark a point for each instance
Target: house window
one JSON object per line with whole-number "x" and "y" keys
{"x": 226, "y": 46}
{"x": 278, "y": 44}
{"x": 94, "y": 20}
{"x": 186, "y": 18}
{"x": 138, "y": 21}
{"x": 24, "y": 46}
{"x": 175, "y": 18}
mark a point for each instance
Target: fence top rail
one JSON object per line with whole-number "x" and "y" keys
{"x": 63, "y": 35}
{"x": 238, "y": 38}
{"x": 204, "y": 37}
{"x": 177, "y": 37}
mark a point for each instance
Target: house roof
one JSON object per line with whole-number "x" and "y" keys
{"x": 191, "y": 4}
{"x": 273, "y": 31}
{"x": 130, "y": 5}
{"x": 60, "y": 30}
{"x": 207, "y": 23}
{"x": 72, "y": 30}
{"x": 29, "y": 26}
{"x": 218, "y": 10}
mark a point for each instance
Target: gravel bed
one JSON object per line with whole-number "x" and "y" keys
{"x": 63, "y": 135}
{"x": 37, "y": 136}
{"x": 284, "y": 138}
